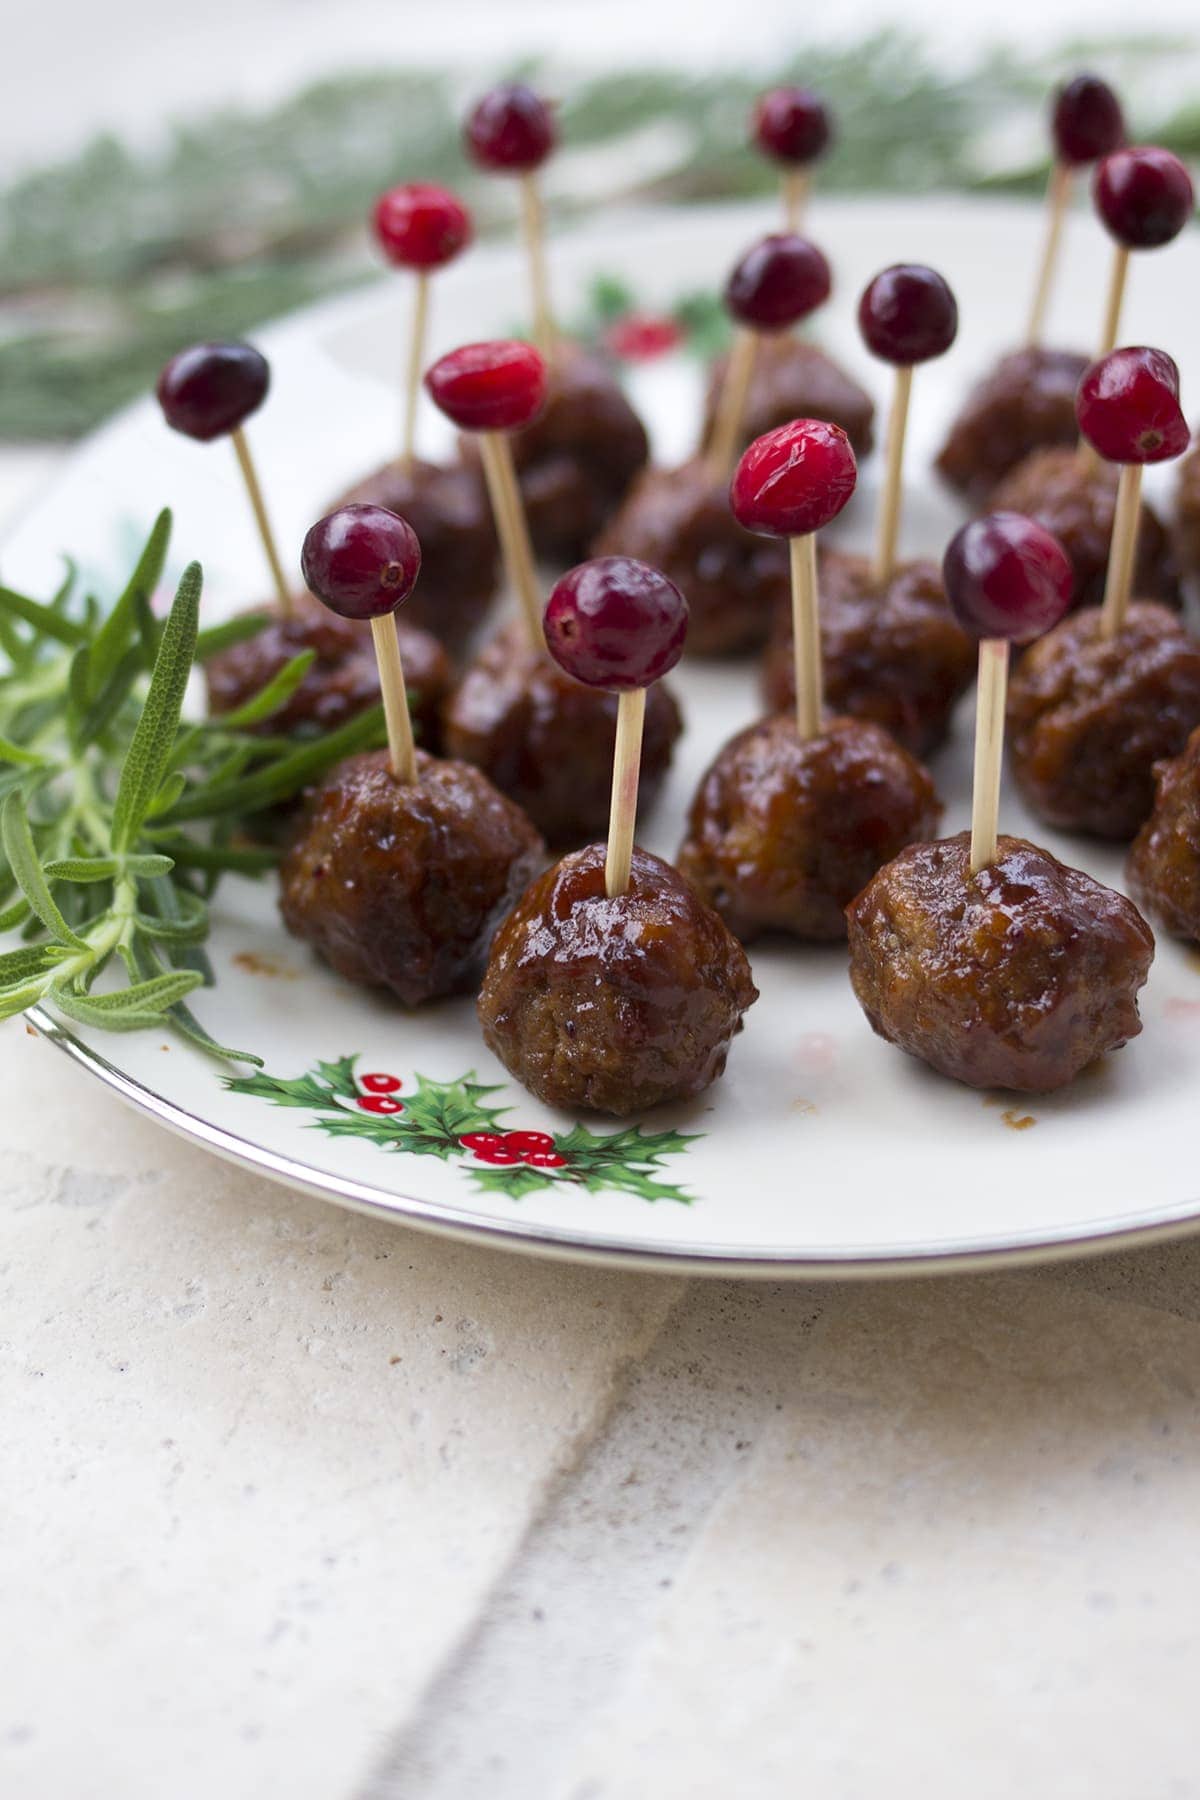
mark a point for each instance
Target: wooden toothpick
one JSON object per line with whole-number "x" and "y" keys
{"x": 731, "y": 403}
{"x": 806, "y": 635}
{"x": 1115, "y": 300}
{"x": 395, "y": 698}
{"x": 512, "y": 529}
{"x": 893, "y": 479}
{"x": 545, "y": 332}
{"x": 622, "y": 817}
{"x": 797, "y": 185}
{"x": 1122, "y": 551}
{"x": 416, "y": 365}
{"x": 1058, "y": 195}
{"x": 989, "y": 749}
{"x": 250, "y": 476}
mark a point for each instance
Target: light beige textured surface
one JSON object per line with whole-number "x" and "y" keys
{"x": 294, "y": 1502}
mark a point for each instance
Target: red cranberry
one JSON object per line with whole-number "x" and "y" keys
{"x": 211, "y": 389}
{"x": 526, "y": 1141}
{"x": 497, "y": 386}
{"x": 779, "y": 281}
{"x": 362, "y": 561}
{"x": 1144, "y": 196}
{"x": 639, "y": 337}
{"x": 544, "y": 1159}
{"x": 511, "y": 129}
{"x": 908, "y": 314}
{"x": 794, "y": 480}
{"x": 1128, "y": 407}
{"x": 1007, "y": 577}
{"x": 381, "y": 1084}
{"x": 420, "y": 226}
{"x": 379, "y": 1103}
{"x": 1087, "y": 121}
{"x": 791, "y": 125}
{"x": 616, "y": 623}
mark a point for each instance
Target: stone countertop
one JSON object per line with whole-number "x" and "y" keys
{"x": 300, "y": 1503}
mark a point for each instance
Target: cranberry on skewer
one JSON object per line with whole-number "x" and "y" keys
{"x": 1086, "y": 123}
{"x": 1144, "y": 198}
{"x": 419, "y": 227}
{"x": 792, "y": 126}
{"x": 512, "y": 131}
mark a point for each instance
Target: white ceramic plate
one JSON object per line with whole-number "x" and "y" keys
{"x": 823, "y": 1150}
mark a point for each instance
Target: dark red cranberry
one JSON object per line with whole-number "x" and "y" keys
{"x": 1128, "y": 407}
{"x": 362, "y": 561}
{"x": 616, "y": 623}
{"x": 794, "y": 480}
{"x": 379, "y": 1103}
{"x": 1007, "y": 577}
{"x": 381, "y": 1084}
{"x": 496, "y": 386}
{"x": 779, "y": 281}
{"x": 420, "y": 226}
{"x": 511, "y": 129}
{"x": 791, "y": 125}
{"x": 526, "y": 1141}
{"x": 1144, "y": 196}
{"x": 908, "y": 314}
{"x": 1087, "y": 121}
{"x": 211, "y": 389}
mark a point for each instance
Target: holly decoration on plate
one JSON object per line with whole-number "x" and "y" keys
{"x": 456, "y": 1121}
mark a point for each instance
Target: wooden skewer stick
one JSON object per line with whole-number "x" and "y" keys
{"x": 1058, "y": 195}
{"x": 989, "y": 749}
{"x": 622, "y": 817}
{"x": 545, "y": 332}
{"x": 395, "y": 698}
{"x": 1116, "y": 297}
{"x": 731, "y": 403}
{"x": 416, "y": 364}
{"x": 512, "y": 530}
{"x": 250, "y": 476}
{"x": 797, "y": 185}
{"x": 893, "y": 480}
{"x": 1118, "y": 580}
{"x": 806, "y": 636}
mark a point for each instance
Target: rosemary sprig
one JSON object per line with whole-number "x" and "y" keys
{"x": 117, "y": 816}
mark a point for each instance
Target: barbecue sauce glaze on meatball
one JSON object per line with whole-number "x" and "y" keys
{"x": 1075, "y": 498}
{"x": 893, "y": 654}
{"x": 679, "y": 520}
{"x": 1089, "y": 717}
{"x": 400, "y": 885}
{"x": 784, "y": 832}
{"x": 343, "y": 679}
{"x": 793, "y": 379}
{"x": 547, "y": 741}
{"x": 613, "y": 1005}
{"x": 1017, "y": 977}
{"x": 1026, "y": 403}
{"x": 1164, "y": 863}
{"x": 447, "y": 506}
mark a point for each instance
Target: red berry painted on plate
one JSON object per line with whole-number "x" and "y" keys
{"x": 529, "y": 1141}
{"x": 778, "y": 282}
{"x": 209, "y": 390}
{"x": 908, "y": 314}
{"x": 1007, "y": 577}
{"x": 499, "y": 1155}
{"x": 379, "y": 1103}
{"x": 794, "y": 480}
{"x": 791, "y": 125}
{"x": 381, "y": 1084}
{"x": 511, "y": 130}
{"x": 544, "y": 1159}
{"x": 361, "y": 561}
{"x": 1128, "y": 407}
{"x": 616, "y": 623}
{"x": 499, "y": 385}
{"x": 481, "y": 1140}
{"x": 1144, "y": 196}
{"x": 420, "y": 226}
{"x": 1087, "y": 121}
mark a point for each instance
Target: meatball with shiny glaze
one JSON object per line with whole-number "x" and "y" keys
{"x": 784, "y": 831}
{"x": 793, "y": 379}
{"x": 1164, "y": 863}
{"x": 1088, "y": 717}
{"x": 1075, "y": 498}
{"x": 547, "y": 741}
{"x": 893, "y": 653}
{"x": 400, "y": 885}
{"x": 1026, "y": 403}
{"x": 1017, "y": 977}
{"x": 613, "y": 1005}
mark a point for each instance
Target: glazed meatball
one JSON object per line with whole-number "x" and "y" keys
{"x": 784, "y": 831}
{"x": 578, "y": 458}
{"x": 613, "y": 1005}
{"x": 1075, "y": 498}
{"x": 1164, "y": 863}
{"x": 343, "y": 679}
{"x": 793, "y": 379}
{"x": 1187, "y": 514}
{"x": 1026, "y": 403}
{"x": 892, "y": 654}
{"x": 1088, "y": 717}
{"x": 679, "y": 521}
{"x": 400, "y": 885}
{"x": 547, "y": 741}
{"x": 447, "y": 506}
{"x": 1017, "y": 977}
